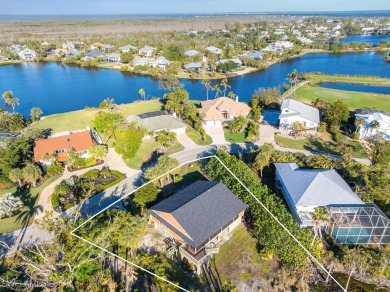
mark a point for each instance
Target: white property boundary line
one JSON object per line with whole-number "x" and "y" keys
{"x": 249, "y": 191}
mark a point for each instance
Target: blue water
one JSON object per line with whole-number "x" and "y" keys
{"x": 357, "y": 87}
{"x": 369, "y": 13}
{"x": 57, "y": 88}
{"x": 271, "y": 117}
{"x": 371, "y": 39}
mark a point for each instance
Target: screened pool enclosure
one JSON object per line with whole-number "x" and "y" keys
{"x": 359, "y": 224}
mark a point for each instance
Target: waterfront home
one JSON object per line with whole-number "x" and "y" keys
{"x": 73, "y": 53}
{"x": 147, "y": 51}
{"x": 58, "y": 146}
{"x": 376, "y": 124}
{"x": 158, "y": 121}
{"x": 114, "y": 57}
{"x": 93, "y": 54}
{"x": 273, "y": 48}
{"x": 306, "y": 189}
{"x": 254, "y": 55}
{"x": 294, "y": 111}
{"x": 214, "y": 50}
{"x": 236, "y": 62}
{"x": 127, "y": 48}
{"x": 56, "y": 53}
{"x": 140, "y": 61}
{"x": 304, "y": 41}
{"x": 191, "y": 53}
{"x": 197, "y": 67}
{"x": 17, "y": 48}
{"x": 222, "y": 109}
{"x": 195, "y": 220}
{"x": 160, "y": 62}
{"x": 3, "y": 58}
{"x": 27, "y": 54}
{"x": 107, "y": 47}
{"x": 351, "y": 221}
{"x": 284, "y": 44}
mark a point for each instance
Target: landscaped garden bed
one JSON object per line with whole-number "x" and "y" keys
{"x": 74, "y": 190}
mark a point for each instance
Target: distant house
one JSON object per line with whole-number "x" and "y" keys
{"x": 367, "y": 131}
{"x": 107, "y": 47}
{"x": 27, "y": 54}
{"x": 57, "y": 147}
{"x": 68, "y": 46}
{"x": 147, "y": 51}
{"x": 158, "y": 121}
{"x": 222, "y": 109}
{"x": 304, "y": 41}
{"x": 254, "y": 55}
{"x": 56, "y": 53}
{"x": 198, "y": 219}
{"x": 140, "y": 61}
{"x": 127, "y": 48}
{"x": 4, "y": 136}
{"x": 236, "y": 62}
{"x": 306, "y": 189}
{"x": 73, "y": 53}
{"x": 160, "y": 62}
{"x": 214, "y": 50}
{"x": 191, "y": 53}
{"x": 94, "y": 54}
{"x": 193, "y": 67}
{"x": 3, "y": 58}
{"x": 114, "y": 57}
{"x": 284, "y": 44}
{"x": 295, "y": 111}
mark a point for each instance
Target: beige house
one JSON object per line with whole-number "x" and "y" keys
{"x": 222, "y": 109}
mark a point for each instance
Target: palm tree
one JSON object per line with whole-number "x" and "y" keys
{"x": 232, "y": 95}
{"x": 293, "y": 78}
{"x": 225, "y": 85}
{"x": 35, "y": 113}
{"x": 142, "y": 93}
{"x": 10, "y": 100}
{"x": 206, "y": 84}
{"x": 319, "y": 217}
{"x": 32, "y": 173}
{"x": 374, "y": 125}
{"x": 218, "y": 90}
{"x": 16, "y": 175}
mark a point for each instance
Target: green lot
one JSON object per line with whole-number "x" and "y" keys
{"x": 234, "y": 138}
{"x": 349, "y": 79}
{"x": 195, "y": 136}
{"x": 26, "y": 216}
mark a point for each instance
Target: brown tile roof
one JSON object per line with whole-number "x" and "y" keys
{"x": 79, "y": 141}
{"x": 212, "y": 108}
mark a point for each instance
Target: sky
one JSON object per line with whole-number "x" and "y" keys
{"x": 64, "y": 7}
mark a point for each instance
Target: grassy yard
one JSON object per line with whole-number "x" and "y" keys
{"x": 26, "y": 216}
{"x": 350, "y": 79}
{"x": 145, "y": 152}
{"x": 354, "y": 100}
{"x": 195, "y": 136}
{"x": 238, "y": 258}
{"x": 234, "y": 138}
{"x": 80, "y": 119}
{"x": 323, "y": 145}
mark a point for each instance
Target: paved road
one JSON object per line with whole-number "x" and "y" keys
{"x": 97, "y": 203}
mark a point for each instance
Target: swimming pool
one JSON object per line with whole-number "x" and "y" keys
{"x": 271, "y": 116}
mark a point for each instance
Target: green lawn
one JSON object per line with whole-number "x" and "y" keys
{"x": 26, "y": 216}
{"x": 354, "y": 100}
{"x": 80, "y": 119}
{"x": 349, "y": 79}
{"x": 323, "y": 145}
{"x": 195, "y": 136}
{"x": 234, "y": 138}
{"x": 145, "y": 152}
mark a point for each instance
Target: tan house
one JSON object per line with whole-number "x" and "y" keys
{"x": 198, "y": 219}
{"x": 222, "y": 109}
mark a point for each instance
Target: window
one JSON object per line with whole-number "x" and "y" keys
{"x": 287, "y": 111}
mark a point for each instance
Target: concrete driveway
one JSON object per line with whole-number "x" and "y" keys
{"x": 186, "y": 141}
{"x": 267, "y": 135}
{"x": 215, "y": 131}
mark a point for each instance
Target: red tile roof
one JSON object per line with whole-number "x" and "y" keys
{"x": 79, "y": 141}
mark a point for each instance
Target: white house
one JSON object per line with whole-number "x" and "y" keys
{"x": 214, "y": 50}
{"x": 160, "y": 62}
{"x": 147, "y": 51}
{"x": 138, "y": 61}
{"x": 236, "y": 61}
{"x": 295, "y": 111}
{"x": 127, "y": 48}
{"x": 68, "y": 46}
{"x": 114, "y": 57}
{"x": 191, "y": 53}
{"x": 366, "y": 131}
{"x": 27, "y": 54}
{"x": 306, "y": 189}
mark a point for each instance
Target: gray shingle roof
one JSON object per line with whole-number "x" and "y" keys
{"x": 304, "y": 110}
{"x": 315, "y": 187}
{"x": 157, "y": 121}
{"x": 201, "y": 209}
{"x": 191, "y": 53}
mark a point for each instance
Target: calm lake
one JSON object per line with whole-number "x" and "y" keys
{"x": 372, "y": 39}
{"x": 57, "y": 88}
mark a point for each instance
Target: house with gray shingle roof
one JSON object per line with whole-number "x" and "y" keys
{"x": 147, "y": 51}
{"x": 295, "y": 111}
{"x": 193, "y": 66}
{"x": 127, "y": 48}
{"x": 199, "y": 219}
{"x": 306, "y": 189}
{"x": 158, "y": 121}
{"x": 214, "y": 50}
{"x": 114, "y": 57}
{"x": 191, "y": 53}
